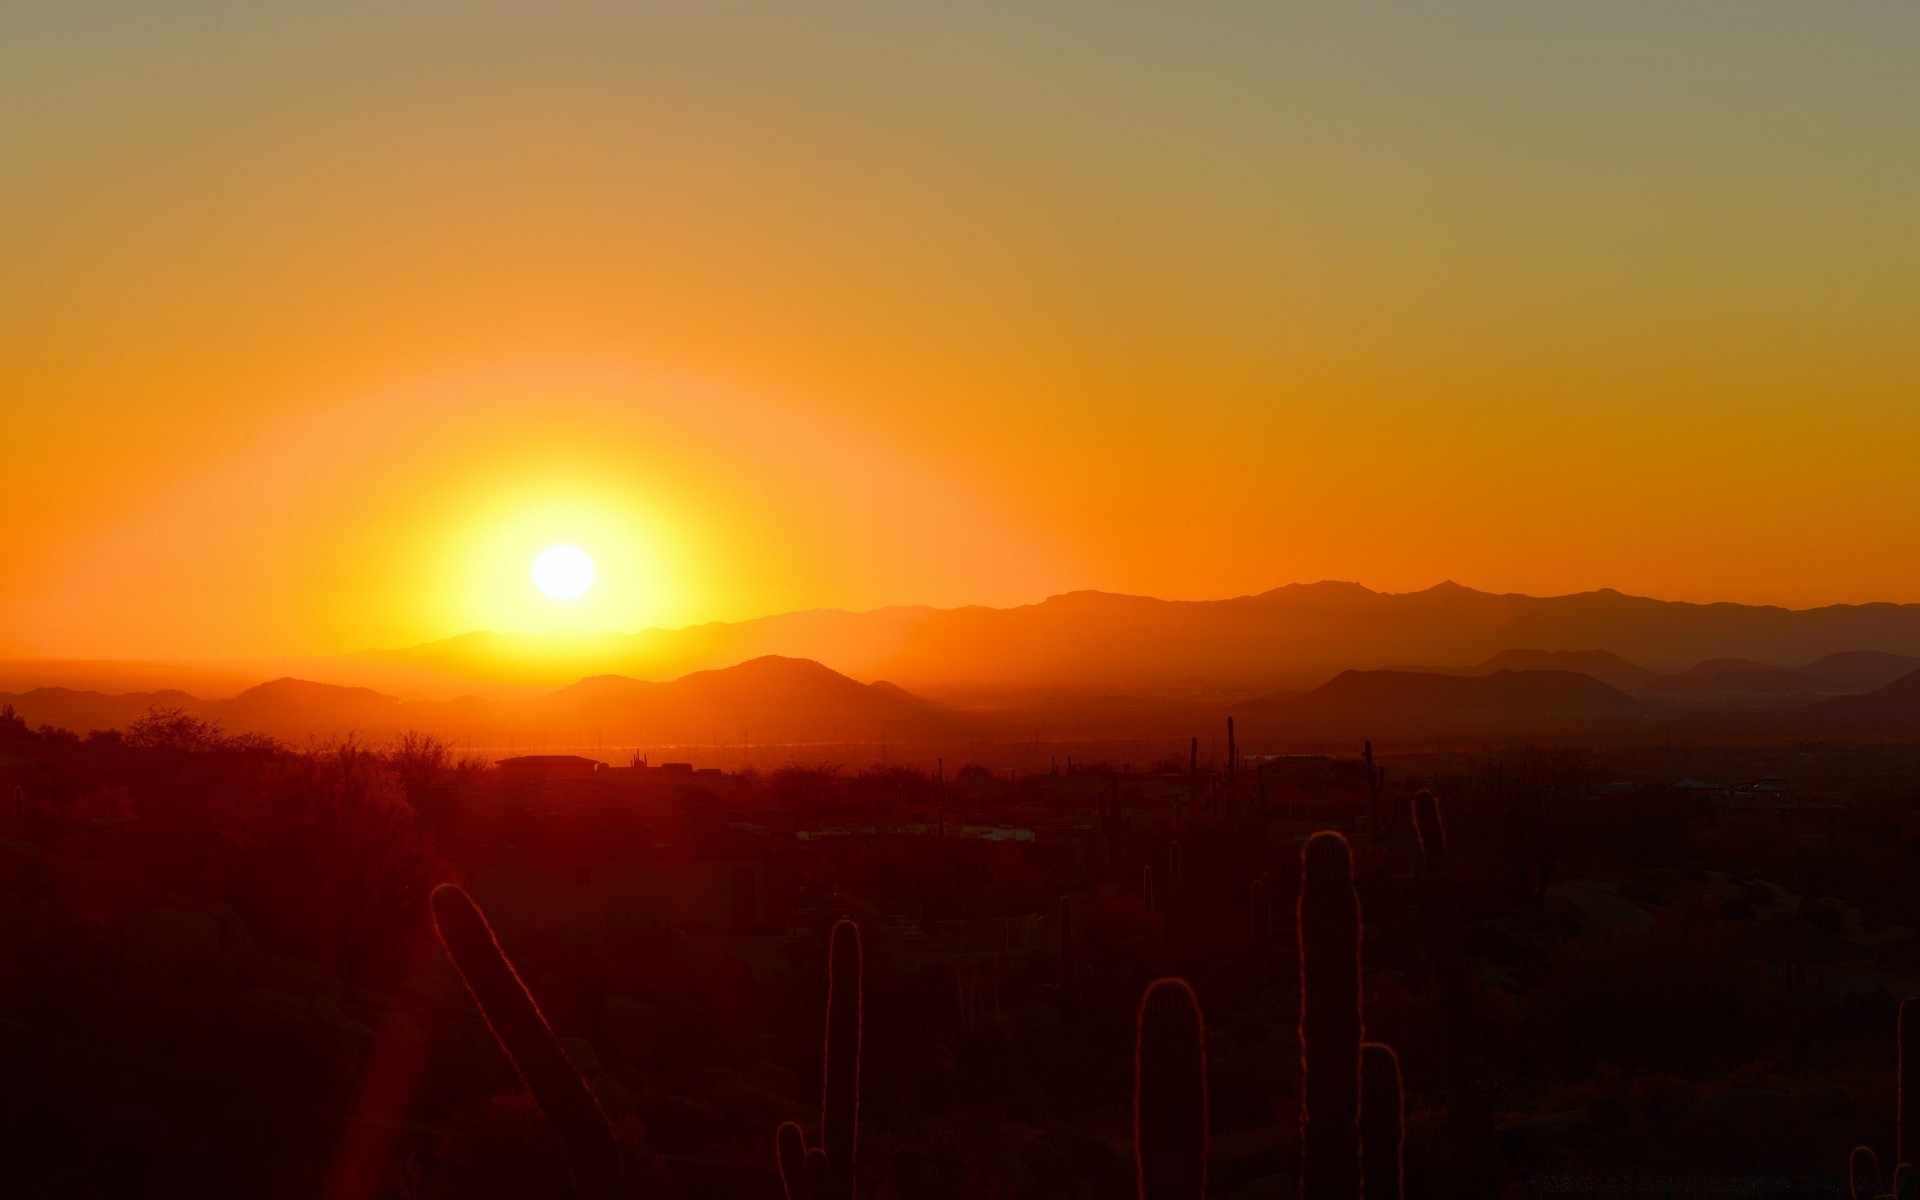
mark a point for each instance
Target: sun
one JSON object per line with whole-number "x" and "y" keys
{"x": 563, "y": 572}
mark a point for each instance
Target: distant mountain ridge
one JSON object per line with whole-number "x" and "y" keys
{"x": 1288, "y": 638}
{"x": 1607, "y": 667}
{"x": 1090, "y": 664}
{"x": 1730, "y": 678}
{"x": 1897, "y": 702}
{"x": 1515, "y": 692}
{"x": 1864, "y": 668}
{"x": 769, "y": 699}
{"x": 1296, "y": 637}
{"x": 81, "y": 710}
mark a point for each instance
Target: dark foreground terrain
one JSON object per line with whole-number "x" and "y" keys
{"x": 1637, "y": 972}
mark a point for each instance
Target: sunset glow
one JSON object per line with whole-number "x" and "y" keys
{"x": 1535, "y": 300}
{"x": 864, "y": 600}
{"x": 563, "y": 572}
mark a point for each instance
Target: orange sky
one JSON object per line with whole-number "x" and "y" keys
{"x": 317, "y": 321}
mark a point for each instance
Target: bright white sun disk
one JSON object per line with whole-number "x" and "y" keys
{"x": 563, "y": 572}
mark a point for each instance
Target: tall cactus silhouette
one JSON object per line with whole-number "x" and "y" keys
{"x": 1329, "y": 916}
{"x": 1170, "y": 1094}
{"x": 1445, "y": 934}
{"x": 1433, "y": 837}
{"x": 1469, "y": 1097}
{"x": 516, "y": 1022}
{"x": 1174, "y": 902}
{"x": 1863, "y": 1168}
{"x": 1381, "y": 1113}
{"x": 826, "y": 1171}
{"x": 1373, "y": 795}
{"x": 1376, "y": 782}
{"x": 1907, "y": 1112}
{"x": 1067, "y": 966}
{"x": 1233, "y": 758}
{"x": 1071, "y": 987}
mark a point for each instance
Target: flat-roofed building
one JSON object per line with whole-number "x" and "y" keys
{"x": 549, "y": 766}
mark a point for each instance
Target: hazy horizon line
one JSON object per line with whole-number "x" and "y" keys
{"x": 237, "y": 660}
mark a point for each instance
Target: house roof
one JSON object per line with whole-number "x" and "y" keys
{"x": 585, "y": 820}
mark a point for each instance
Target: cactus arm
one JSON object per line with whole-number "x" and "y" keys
{"x": 516, "y": 1022}
{"x": 1381, "y": 1123}
{"x": 1863, "y": 1174}
{"x": 818, "y": 1173}
{"x": 790, "y": 1151}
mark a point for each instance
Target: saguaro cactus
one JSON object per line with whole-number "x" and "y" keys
{"x": 1170, "y": 1094}
{"x": 826, "y": 1171}
{"x": 1907, "y": 1114}
{"x": 1381, "y": 1109}
{"x": 1445, "y": 934}
{"x": 1469, "y": 1102}
{"x": 1433, "y": 837}
{"x": 1864, "y": 1181}
{"x": 1376, "y": 782}
{"x": 1805, "y": 992}
{"x": 1070, "y": 978}
{"x": 1863, "y": 1168}
{"x": 1233, "y": 757}
{"x": 1329, "y": 916}
{"x": 1066, "y": 942}
{"x": 517, "y": 1023}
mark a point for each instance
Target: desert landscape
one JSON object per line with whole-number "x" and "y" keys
{"x": 1252, "y": 600}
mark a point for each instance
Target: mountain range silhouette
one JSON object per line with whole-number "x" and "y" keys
{"x": 1295, "y": 637}
{"x": 1317, "y": 656}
